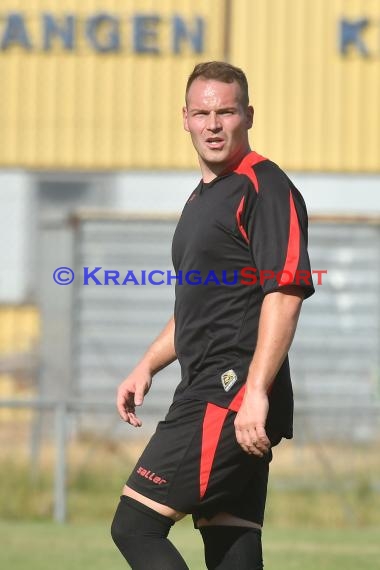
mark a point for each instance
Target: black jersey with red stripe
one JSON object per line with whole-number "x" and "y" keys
{"x": 255, "y": 218}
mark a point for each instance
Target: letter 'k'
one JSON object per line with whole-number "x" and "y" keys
{"x": 350, "y": 34}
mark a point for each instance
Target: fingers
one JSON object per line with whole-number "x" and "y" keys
{"x": 126, "y": 407}
{"x": 139, "y": 397}
{"x": 253, "y": 440}
{"x": 262, "y": 438}
{"x": 121, "y": 406}
{"x": 133, "y": 419}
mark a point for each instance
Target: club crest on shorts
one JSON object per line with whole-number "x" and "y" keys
{"x": 228, "y": 379}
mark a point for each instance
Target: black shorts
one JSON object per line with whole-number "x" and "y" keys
{"x": 194, "y": 464}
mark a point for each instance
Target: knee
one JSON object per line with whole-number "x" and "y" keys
{"x": 120, "y": 527}
{"x": 140, "y": 534}
{"x": 118, "y": 536}
{"x": 134, "y": 521}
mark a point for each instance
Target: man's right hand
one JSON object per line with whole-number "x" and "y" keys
{"x": 132, "y": 390}
{"x": 131, "y": 393}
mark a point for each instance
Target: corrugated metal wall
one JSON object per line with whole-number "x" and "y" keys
{"x": 85, "y": 109}
{"x": 336, "y": 352}
{"x": 316, "y": 109}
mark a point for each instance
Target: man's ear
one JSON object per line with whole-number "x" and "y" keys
{"x": 250, "y": 114}
{"x": 184, "y": 117}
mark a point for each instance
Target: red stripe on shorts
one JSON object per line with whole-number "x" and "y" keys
{"x": 212, "y": 428}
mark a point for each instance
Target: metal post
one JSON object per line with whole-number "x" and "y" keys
{"x": 60, "y": 502}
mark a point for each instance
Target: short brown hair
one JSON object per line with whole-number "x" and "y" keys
{"x": 220, "y": 71}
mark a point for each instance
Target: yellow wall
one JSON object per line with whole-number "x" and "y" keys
{"x": 19, "y": 335}
{"x": 315, "y": 108}
{"x": 19, "y": 329}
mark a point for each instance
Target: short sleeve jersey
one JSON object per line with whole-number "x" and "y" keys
{"x": 239, "y": 237}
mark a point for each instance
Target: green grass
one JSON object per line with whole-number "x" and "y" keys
{"x": 93, "y": 491}
{"x": 45, "y": 545}
{"x": 322, "y": 549}
{"x": 331, "y": 523}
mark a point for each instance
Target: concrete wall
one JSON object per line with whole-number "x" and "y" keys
{"x": 16, "y": 237}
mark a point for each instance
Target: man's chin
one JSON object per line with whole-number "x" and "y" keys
{"x": 215, "y": 157}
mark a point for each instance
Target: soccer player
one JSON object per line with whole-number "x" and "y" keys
{"x": 247, "y": 224}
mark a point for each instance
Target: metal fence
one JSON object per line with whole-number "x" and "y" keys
{"x": 336, "y": 353}
{"x": 93, "y": 334}
{"x": 308, "y": 464}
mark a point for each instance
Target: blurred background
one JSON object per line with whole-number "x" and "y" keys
{"x": 94, "y": 170}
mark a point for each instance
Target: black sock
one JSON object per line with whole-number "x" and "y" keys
{"x": 140, "y": 533}
{"x": 232, "y": 548}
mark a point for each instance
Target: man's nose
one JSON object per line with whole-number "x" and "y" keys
{"x": 213, "y": 123}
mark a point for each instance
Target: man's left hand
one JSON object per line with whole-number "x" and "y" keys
{"x": 250, "y": 423}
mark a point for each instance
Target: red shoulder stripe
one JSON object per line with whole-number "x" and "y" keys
{"x": 293, "y": 252}
{"x": 246, "y": 167}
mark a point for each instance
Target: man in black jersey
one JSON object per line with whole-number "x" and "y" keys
{"x": 245, "y": 228}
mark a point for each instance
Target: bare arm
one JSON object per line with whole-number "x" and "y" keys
{"x": 277, "y": 325}
{"x": 132, "y": 390}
